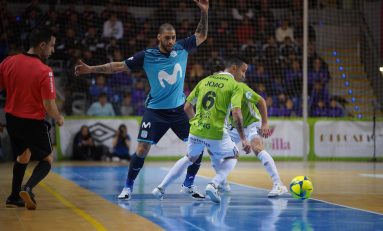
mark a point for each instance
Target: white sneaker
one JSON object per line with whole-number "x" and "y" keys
{"x": 192, "y": 191}
{"x": 277, "y": 190}
{"x": 224, "y": 187}
{"x": 126, "y": 194}
{"x": 158, "y": 193}
{"x": 212, "y": 192}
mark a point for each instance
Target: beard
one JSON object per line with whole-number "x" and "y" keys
{"x": 166, "y": 48}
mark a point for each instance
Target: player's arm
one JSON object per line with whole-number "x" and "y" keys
{"x": 261, "y": 105}
{"x": 191, "y": 100}
{"x": 52, "y": 110}
{"x": 238, "y": 118}
{"x": 201, "y": 31}
{"x": 108, "y": 68}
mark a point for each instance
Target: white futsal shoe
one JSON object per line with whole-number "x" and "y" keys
{"x": 193, "y": 192}
{"x": 126, "y": 194}
{"x": 278, "y": 189}
{"x": 212, "y": 192}
{"x": 224, "y": 187}
{"x": 158, "y": 193}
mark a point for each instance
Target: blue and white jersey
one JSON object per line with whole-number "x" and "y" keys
{"x": 165, "y": 72}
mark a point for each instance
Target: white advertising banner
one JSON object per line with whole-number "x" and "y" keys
{"x": 347, "y": 139}
{"x": 285, "y": 139}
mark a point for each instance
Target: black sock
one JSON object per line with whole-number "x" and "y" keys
{"x": 41, "y": 170}
{"x": 135, "y": 166}
{"x": 192, "y": 172}
{"x": 17, "y": 180}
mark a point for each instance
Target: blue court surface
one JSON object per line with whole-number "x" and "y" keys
{"x": 245, "y": 208}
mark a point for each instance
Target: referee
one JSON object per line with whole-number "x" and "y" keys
{"x": 30, "y": 94}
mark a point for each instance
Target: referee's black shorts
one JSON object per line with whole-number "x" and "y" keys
{"x": 29, "y": 133}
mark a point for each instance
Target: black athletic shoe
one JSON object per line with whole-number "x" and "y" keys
{"x": 14, "y": 202}
{"x": 28, "y": 197}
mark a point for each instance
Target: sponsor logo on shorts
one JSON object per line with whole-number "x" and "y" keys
{"x": 146, "y": 125}
{"x": 199, "y": 141}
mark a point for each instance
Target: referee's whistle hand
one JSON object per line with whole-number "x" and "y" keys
{"x": 60, "y": 121}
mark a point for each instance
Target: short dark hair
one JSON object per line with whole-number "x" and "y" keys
{"x": 164, "y": 27}
{"x": 236, "y": 59}
{"x": 102, "y": 95}
{"x": 39, "y": 35}
{"x": 216, "y": 65}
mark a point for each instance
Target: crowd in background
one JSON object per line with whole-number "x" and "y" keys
{"x": 274, "y": 45}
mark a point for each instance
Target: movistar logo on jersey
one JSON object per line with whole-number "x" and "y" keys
{"x": 170, "y": 78}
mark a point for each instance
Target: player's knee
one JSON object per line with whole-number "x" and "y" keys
{"x": 24, "y": 157}
{"x": 143, "y": 149}
{"x": 49, "y": 159}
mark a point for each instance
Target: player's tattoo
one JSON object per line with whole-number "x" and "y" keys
{"x": 106, "y": 68}
{"x": 202, "y": 25}
{"x": 239, "y": 125}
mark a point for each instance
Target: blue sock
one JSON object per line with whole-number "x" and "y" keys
{"x": 192, "y": 171}
{"x": 135, "y": 166}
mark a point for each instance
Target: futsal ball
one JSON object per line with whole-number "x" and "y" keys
{"x": 301, "y": 187}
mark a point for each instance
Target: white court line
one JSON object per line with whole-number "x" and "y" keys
{"x": 373, "y": 175}
{"x": 247, "y": 186}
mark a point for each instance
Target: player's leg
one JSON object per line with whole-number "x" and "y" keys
{"x": 269, "y": 165}
{"x": 224, "y": 186}
{"x": 153, "y": 127}
{"x": 194, "y": 150}
{"x": 180, "y": 126}
{"x": 226, "y": 151}
{"x": 41, "y": 150}
{"x": 22, "y": 156}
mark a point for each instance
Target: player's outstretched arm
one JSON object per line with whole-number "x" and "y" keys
{"x": 201, "y": 31}
{"x": 261, "y": 105}
{"x": 108, "y": 68}
{"x": 238, "y": 120}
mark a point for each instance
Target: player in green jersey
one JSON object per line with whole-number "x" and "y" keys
{"x": 214, "y": 97}
{"x": 256, "y": 126}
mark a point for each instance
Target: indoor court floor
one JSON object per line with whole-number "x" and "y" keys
{"x": 82, "y": 196}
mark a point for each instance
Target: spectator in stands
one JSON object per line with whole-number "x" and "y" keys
{"x": 138, "y": 97}
{"x": 260, "y": 76}
{"x": 84, "y": 147}
{"x": 293, "y": 82}
{"x": 319, "y": 109}
{"x": 127, "y": 19}
{"x": 113, "y": 28}
{"x": 318, "y": 73}
{"x": 334, "y": 110}
{"x": 272, "y": 110}
{"x": 287, "y": 110}
{"x": 241, "y": 11}
{"x": 288, "y": 47}
{"x": 66, "y": 44}
{"x": 92, "y": 40}
{"x": 127, "y": 108}
{"x": 121, "y": 143}
{"x": 163, "y": 13}
{"x": 102, "y": 107}
{"x": 221, "y": 12}
{"x": 74, "y": 23}
{"x": 183, "y": 12}
{"x": 319, "y": 93}
{"x": 245, "y": 31}
{"x": 184, "y": 30}
{"x": 143, "y": 35}
{"x": 263, "y": 30}
{"x": 53, "y": 22}
{"x": 89, "y": 16}
{"x": 283, "y": 31}
{"x": 99, "y": 86}
{"x": 265, "y": 11}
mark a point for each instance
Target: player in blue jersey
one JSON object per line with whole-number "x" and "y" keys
{"x": 165, "y": 67}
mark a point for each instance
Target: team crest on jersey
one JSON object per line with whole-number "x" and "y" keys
{"x": 50, "y": 74}
{"x": 170, "y": 78}
{"x": 248, "y": 95}
{"x": 131, "y": 58}
{"x": 144, "y": 134}
{"x": 173, "y": 54}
